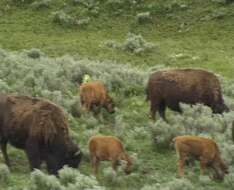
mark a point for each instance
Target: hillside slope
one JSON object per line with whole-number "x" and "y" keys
{"x": 50, "y": 45}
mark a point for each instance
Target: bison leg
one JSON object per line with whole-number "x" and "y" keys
{"x": 175, "y": 106}
{"x": 52, "y": 164}
{"x": 115, "y": 164}
{"x": 162, "y": 109}
{"x": 153, "y": 110}
{"x": 181, "y": 163}
{"x": 33, "y": 154}
{"x": 203, "y": 164}
{"x": 95, "y": 164}
{"x": 4, "y": 152}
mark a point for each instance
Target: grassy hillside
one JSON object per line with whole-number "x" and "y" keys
{"x": 94, "y": 36}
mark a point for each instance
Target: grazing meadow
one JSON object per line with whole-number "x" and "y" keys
{"x": 47, "y": 48}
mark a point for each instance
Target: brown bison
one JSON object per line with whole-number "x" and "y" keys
{"x": 107, "y": 148}
{"x": 199, "y": 148}
{"x": 95, "y": 94}
{"x": 169, "y": 88}
{"x": 40, "y": 128}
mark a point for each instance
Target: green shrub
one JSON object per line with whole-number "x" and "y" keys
{"x": 4, "y": 174}
{"x": 69, "y": 179}
{"x": 62, "y": 18}
{"x": 143, "y": 18}
{"x": 135, "y": 44}
{"x": 34, "y": 53}
{"x": 229, "y": 180}
{"x": 41, "y": 181}
{"x": 196, "y": 120}
{"x": 175, "y": 184}
{"x": 41, "y": 4}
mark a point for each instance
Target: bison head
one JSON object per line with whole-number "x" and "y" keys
{"x": 109, "y": 105}
{"x": 220, "y": 169}
{"x": 61, "y": 155}
{"x": 220, "y": 108}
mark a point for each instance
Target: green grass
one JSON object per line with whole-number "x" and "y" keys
{"x": 203, "y": 44}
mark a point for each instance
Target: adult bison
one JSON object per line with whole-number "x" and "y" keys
{"x": 40, "y": 128}
{"x": 95, "y": 94}
{"x": 170, "y": 87}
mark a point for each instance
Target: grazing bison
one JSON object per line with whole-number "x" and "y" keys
{"x": 95, "y": 94}
{"x": 199, "y": 148}
{"x": 169, "y": 88}
{"x": 40, "y": 128}
{"x": 110, "y": 149}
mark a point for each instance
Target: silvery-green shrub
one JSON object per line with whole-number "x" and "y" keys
{"x": 4, "y": 174}
{"x": 133, "y": 43}
{"x": 41, "y": 4}
{"x": 69, "y": 179}
{"x": 42, "y": 181}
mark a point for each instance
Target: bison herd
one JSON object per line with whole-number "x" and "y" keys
{"x": 40, "y": 128}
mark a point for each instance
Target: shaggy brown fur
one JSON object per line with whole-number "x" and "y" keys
{"x": 199, "y": 148}
{"x": 107, "y": 148}
{"x": 169, "y": 88}
{"x": 95, "y": 94}
{"x": 40, "y": 128}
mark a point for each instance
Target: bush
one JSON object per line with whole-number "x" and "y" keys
{"x": 56, "y": 79}
{"x": 62, "y": 18}
{"x": 34, "y": 53}
{"x": 229, "y": 180}
{"x": 135, "y": 44}
{"x": 4, "y": 174}
{"x": 143, "y": 18}
{"x": 41, "y": 181}
{"x": 41, "y": 4}
{"x": 196, "y": 120}
{"x": 69, "y": 179}
{"x": 175, "y": 184}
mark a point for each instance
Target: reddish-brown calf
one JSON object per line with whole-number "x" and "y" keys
{"x": 199, "y": 148}
{"x": 107, "y": 148}
{"x": 95, "y": 94}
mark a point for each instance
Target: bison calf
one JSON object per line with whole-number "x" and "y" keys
{"x": 169, "y": 88}
{"x": 107, "y": 148}
{"x": 199, "y": 148}
{"x": 95, "y": 94}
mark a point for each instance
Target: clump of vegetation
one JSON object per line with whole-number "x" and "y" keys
{"x": 223, "y": 1}
{"x": 41, "y": 4}
{"x": 135, "y": 44}
{"x": 4, "y": 174}
{"x": 196, "y": 120}
{"x": 143, "y": 18}
{"x": 62, "y": 18}
{"x": 57, "y": 79}
{"x": 69, "y": 179}
{"x": 34, "y": 53}
{"x": 42, "y": 181}
{"x": 175, "y": 184}
{"x": 229, "y": 180}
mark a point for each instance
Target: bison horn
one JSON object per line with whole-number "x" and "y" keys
{"x": 77, "y": 153}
